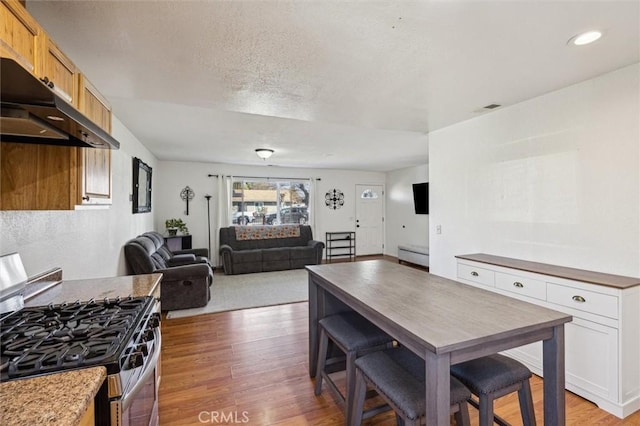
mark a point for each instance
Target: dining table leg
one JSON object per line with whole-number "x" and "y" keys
{"x": 437, "y": 384}
{"x": 554, "y": 377}
{"x": 316, "y": 311}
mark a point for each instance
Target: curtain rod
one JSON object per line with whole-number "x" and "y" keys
{"x": 265, "y": 177}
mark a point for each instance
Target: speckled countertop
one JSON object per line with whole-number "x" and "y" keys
{"x": 97, "y": 288}
{"x": 56, "y": 399}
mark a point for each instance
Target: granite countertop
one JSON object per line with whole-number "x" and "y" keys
{"x": 55, "y": 399}
{"x": 97, "y": 288}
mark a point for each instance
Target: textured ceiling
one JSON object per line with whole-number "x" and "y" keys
{"x": 331, "y": 84}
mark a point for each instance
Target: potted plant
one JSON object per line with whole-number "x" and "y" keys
{"x": 175, "y": 225}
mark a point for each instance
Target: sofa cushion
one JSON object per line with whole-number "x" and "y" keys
{"x": 246, "y": 256}
{"x": 275, "y": 254}
{"x": 302, "y": 252}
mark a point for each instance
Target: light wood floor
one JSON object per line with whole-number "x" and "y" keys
{"x": 250, "y": 367}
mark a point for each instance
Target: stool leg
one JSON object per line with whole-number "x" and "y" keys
{"x": 322, "y": 358}
{"x": 486, "y": 410}
{"x": 351, "y": 384}
{"x": 357, "y": 404}
{"x": 462, "y": 415}
{"x": 526, "y": 404}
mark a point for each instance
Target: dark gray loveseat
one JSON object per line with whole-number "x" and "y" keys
{"x": 268, "y": 254}
{"x": 186, "y": 274}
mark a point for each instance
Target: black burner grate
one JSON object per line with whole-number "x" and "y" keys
{"x": 58, "y": 337}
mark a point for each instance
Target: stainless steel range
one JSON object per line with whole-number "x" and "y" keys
{"x": 120, "y": 334}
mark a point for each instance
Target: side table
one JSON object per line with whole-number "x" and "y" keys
{"x": 178, "y": 242}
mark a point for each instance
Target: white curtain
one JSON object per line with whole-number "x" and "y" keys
{"x": 223, "y": 215}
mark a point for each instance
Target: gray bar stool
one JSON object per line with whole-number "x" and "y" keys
{"x": 355, "y": 336}
{"x": 491, "y": 377}
{"x": 398, "y": 375}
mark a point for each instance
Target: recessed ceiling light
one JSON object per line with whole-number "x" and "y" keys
{"x": 585, "y": 38}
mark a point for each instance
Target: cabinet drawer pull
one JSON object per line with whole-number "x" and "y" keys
{"x": 518, "y": 284}
{"x": 474, "y": 273}
{"x": 579, "y": 299}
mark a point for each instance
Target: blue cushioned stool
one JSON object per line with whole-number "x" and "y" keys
{"x": 398, "y": 375}
{"x": 355, "y": 336}
{"x": 491, "y": 377}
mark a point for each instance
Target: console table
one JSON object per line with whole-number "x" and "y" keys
{"x": 443, "y": 321}
{"x": 602, "y": 348}
{"x": 178, "y": 242}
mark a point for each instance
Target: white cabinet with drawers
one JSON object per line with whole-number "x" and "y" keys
{"x": 602, "y": 343}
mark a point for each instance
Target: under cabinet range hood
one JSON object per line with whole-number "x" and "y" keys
{"x": 33, "y": 113}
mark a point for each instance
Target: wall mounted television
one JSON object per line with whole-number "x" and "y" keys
{"x": 421, "y": 197}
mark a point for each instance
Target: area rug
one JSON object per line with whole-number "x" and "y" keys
{"x": 232, "y": 292}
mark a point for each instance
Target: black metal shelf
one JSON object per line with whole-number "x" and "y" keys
{"x": 336, "y": 248}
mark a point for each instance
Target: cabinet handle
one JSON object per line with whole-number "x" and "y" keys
{"x": 47, "y": 82}
{"x": 518, "y": 284}
{"x": 474, "y": 273}
{"x": 579, "y": 299}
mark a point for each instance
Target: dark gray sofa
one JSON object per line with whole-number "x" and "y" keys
{"x": 269, "y": 254}
{"x": 186, "y": 274}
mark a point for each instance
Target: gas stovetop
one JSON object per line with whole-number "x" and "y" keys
{"x": 40, "y": 340}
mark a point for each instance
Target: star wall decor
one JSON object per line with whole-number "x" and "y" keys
{"x": 334, "y": 199}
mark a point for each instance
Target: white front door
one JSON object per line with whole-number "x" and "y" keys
{"x": 369, "y": 219}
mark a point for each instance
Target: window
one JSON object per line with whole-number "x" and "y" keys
{"x": 265, "y": 201}
{"x": 369, "y": 193}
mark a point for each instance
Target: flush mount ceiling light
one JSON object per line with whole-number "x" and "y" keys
{"x": 264, "y": 153}
{"x": 585, "y": 38}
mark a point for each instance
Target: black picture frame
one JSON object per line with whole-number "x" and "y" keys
{"x": 141, "y": 197}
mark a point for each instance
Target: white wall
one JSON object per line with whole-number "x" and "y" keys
{"x": 85, "y": 243}
{"x": 554, "y": 179}
{"x": 403, "y": 225}
{"x": 174, "y": 176}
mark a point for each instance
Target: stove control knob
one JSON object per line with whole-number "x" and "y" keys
{"x": 136, "y": 360}
{"x": 149, "y": 336}
{"x": 142, "y": 349}
{"x": 154, "y": 321}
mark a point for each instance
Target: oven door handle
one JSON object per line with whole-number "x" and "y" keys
{"x": 150, "y": 369}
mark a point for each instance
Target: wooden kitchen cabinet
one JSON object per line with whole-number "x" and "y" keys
{"x": 95, "y": 183}
{"x": 89, "y": 416}
{"x": 37, "y": 177}
{"x": 48, "y": 177}
{"x": 43, "y": 177}
{"x": 58, "y": 69}
{"x": 21, "y": 38}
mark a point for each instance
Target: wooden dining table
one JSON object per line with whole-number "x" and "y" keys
{"x": 442, "y": 321}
